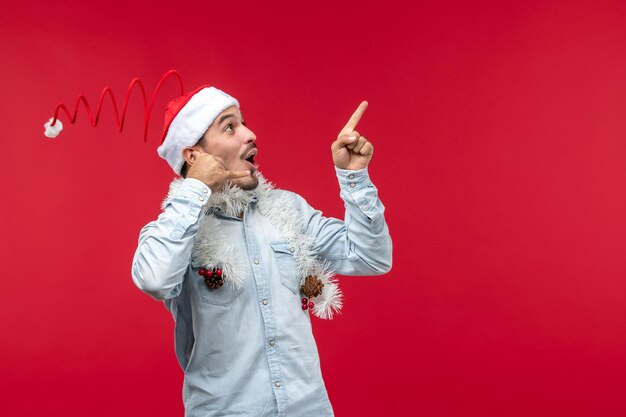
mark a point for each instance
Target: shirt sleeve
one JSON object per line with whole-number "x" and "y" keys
{"x": 360, "y": 244}
{"x": 164, "y": 250}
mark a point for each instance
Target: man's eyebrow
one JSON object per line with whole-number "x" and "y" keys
{"x": 224, "y": 117}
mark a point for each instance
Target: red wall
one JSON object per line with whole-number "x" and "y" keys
{"x": 500, "y": 134}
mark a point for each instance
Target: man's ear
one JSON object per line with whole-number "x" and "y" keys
{"x": 189, "y": 155}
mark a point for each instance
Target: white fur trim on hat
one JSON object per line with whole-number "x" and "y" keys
{"x": 191, "y": 122}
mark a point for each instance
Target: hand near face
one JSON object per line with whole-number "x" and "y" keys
{"x": 351, "y": 150}
{"x": 211, "y": 171}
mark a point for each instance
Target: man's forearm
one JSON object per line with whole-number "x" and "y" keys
{"x": 360, "y": 244}
{"x": 165, "y": 245}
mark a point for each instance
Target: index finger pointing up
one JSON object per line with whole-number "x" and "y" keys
{"x": 354, "y": 120}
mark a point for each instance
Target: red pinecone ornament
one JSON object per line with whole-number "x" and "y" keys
{"x": 213, "y": 278}
{"x": 312, "y": 286}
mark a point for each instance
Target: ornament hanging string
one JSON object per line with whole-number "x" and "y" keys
{"x": 54, "y": 126}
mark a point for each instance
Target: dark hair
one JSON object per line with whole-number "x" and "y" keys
{"x": 184, "y": 169}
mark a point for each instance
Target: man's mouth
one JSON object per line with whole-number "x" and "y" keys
{"x": 250, "y": 156}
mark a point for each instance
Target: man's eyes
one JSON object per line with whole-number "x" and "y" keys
{"x": 230, "y": 127}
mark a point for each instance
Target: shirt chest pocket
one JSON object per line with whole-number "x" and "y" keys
{"x": 287, "y": 265}
{"x": 222, "y": 296}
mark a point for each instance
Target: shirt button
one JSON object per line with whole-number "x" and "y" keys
{"x": 277, "y": 384}
{"x": 352, "y": 185}
{"x": 364, "y": 207}
{"x": 351, "y": 176}
{"x": 272, "y": 342}
{"x": 201, "y": 198}
{"x": 264, "y": 302}
{"x": 205, "y": 190}
{"x": 256, "y": 261}
{"x": 291, "y": 250}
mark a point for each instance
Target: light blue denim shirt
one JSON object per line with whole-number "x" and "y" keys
{"x": 250, "y": 351}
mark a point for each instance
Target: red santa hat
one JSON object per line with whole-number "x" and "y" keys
{"x": 187, "y": 118}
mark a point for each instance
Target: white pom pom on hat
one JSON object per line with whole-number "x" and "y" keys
{"x": 187, "y": 118}
{"x": 52, "y": 131}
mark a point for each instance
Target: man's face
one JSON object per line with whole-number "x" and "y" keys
{"x": 231, "y": 141}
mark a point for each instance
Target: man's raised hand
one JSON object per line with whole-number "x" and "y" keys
{"x": 351, "y": 150}
{"x": 211, "y": 171}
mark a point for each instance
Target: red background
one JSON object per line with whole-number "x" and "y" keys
{"x": 500, "y": 136}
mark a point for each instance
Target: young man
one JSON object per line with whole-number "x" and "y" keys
{"x": 241, "y": 265}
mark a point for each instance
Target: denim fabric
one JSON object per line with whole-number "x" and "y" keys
{"x": 250, "y": 351}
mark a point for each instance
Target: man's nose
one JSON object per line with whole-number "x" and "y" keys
{"x": 250, "y": 136}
